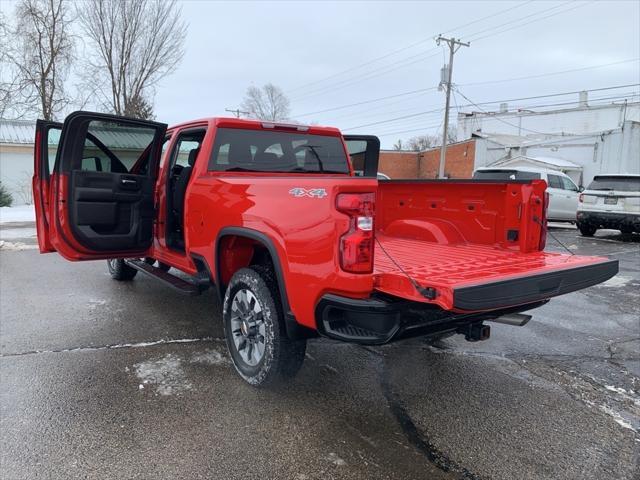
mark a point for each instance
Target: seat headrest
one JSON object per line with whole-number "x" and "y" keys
{"x": 193, "y": 154}
{"x": 239, "y": 153}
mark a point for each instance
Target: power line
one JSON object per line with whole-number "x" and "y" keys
{"x": 407, "y": 47}
{"x": 528, "y": 77}
{"x": 492, "y": 102}
{"x": 533, "y": 21}
{"x": 412, "y": 92}
{"x": 497, "y": 118}
{"x": 486, "y": 82}
{"x": 516, "y": 20}
{"x": 385, "y": 69}
{"x": 629, "y": 95}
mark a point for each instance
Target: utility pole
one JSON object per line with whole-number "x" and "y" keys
{"x": 454, "y": 45}
{"x": 237, "y": 112}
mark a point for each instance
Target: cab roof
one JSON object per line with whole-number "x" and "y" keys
{"x": 250, "y": 124}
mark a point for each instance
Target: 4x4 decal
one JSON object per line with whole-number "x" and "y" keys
{"x": 313, "y": 192}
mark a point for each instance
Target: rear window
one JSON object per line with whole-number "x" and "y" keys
{"x": 237, "y": 150}
{"x": 622, "y": 184}
{"x": 505, "y": 175}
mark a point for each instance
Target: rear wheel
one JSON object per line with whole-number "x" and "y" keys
{"x": 587, "y": 230}
{"x": 119, "y": 270}
{"x": 260, "y": 349}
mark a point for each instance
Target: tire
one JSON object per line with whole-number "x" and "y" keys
{"x": 120, "y": 271}
{"x": 262, "y": 353}
{"x": 586, "y": 230}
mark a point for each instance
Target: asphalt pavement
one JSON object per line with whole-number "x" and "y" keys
{"x": 101, "y": 379}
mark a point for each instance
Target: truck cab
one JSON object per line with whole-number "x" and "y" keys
{"x": 296, "y": 245}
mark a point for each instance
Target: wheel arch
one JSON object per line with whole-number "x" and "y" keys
{"x": 294, "y": 329}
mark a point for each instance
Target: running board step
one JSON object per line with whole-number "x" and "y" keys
{"x": 183, "y": 286}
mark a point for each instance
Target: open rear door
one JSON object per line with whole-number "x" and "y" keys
{"x": 364, "y": 151}
{"x": 44, "y": 155}
{"x": 102, "y": 187}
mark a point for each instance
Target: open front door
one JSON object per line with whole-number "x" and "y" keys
{"x": 44, "y": 155}
{"x": 102, "y": 188}
{"x": 364, "y": 151}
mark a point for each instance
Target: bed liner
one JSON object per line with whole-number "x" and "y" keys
{"x": 472, "y": 277}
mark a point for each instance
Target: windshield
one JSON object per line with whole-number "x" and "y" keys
{"x": 623, "y": 184}
{"x": 505, "y": 175}
{"x": 238, "y": 150}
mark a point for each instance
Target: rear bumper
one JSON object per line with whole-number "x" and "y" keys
{"x": 381, "y": 319}
{"x": 608, "y": 219}
{"x": 533, "y": 288}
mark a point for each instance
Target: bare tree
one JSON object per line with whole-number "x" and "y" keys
{"x": 137, "y": 43}
{"x": 36, "y": 57}
{"x": 266, "y": 103}
{"x": 398, "y": 145}
{"x": 424, "y": 142}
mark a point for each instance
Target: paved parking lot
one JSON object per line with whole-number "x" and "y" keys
{"x": 100, "y": 379}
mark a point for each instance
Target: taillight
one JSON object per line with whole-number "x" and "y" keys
{"x": 356, "y": 246}
{"x": 543, "y": 222}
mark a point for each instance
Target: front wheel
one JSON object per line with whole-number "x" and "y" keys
{"x": 119, "y": 270}
{"x": 260, "y": 349}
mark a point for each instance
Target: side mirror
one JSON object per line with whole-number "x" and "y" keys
{"x": 581, "y": 189}
{"x": 364, "y": 151}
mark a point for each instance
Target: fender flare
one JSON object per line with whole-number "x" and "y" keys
{"x": 294, "y": 329}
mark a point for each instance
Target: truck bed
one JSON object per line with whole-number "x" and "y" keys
{"x": 473, "y": 245}
{"x": 470, "y": 277}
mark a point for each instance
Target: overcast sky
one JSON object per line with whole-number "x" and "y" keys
{"x": 297, "y": 45}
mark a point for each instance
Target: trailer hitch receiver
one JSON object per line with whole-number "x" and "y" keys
{"x": 475, "y": 332}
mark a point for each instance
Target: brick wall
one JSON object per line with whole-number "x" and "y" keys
{"x": 460, "y": 158}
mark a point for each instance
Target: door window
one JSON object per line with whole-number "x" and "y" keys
{"x": 116, "y": 148}
{"x": 53, "y": 140}
{"x": 187, "y": 148}
{"x": 567, "y": 184}
{"x": 555, "y": 181}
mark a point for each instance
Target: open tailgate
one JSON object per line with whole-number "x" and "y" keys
{"x": 469, "y": 277}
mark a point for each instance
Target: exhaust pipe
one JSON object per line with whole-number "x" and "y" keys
{"x": 515, "y": 319}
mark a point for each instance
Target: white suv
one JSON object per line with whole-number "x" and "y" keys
{"x": 563, "y": 193}
{"x": 610, "y": 201}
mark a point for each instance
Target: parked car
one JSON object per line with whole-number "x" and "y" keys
{"x": 272, "y": 217}
{"x": 563, "y": 193}
{"x": 610, "y": 201}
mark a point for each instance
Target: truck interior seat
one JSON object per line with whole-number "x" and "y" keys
{"x": 239, "y": 154}
{"x": 181, "y": 185}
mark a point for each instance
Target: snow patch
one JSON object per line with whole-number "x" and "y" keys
{"x": 166, "y": 375}
{"x": 20, "y": 213}
{"x": 16, "y": 246}
{"x": 210, "y": 357}
{"x": 617, "y": 418}
{"x": 616, "y": 389}
{"x": 94, "y": 304}
{"x": 336, "y": 460}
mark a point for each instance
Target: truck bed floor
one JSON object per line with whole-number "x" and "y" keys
{"x": 449, "y": 267}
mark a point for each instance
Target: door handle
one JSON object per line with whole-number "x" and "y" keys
{"x": 126, "y": 181}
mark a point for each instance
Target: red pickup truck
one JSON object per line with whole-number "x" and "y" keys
{"x": 296, "y": 245}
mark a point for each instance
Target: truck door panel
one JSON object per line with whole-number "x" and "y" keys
{"x": 104, "y": 186}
